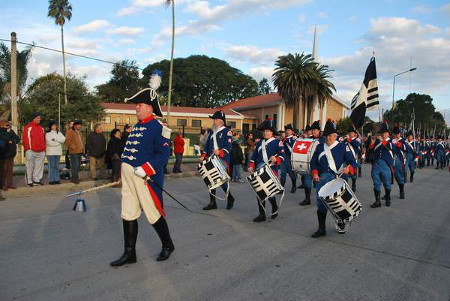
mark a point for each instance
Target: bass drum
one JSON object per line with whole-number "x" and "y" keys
{"x": 301, "y": 155}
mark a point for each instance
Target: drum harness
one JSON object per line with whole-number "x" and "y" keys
{"x": 216, "y": 147}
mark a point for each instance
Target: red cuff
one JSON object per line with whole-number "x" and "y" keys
{"x": 314, "y": 172}
{"x": 349, "y": 139}
{"x": 251, "y": 165}
{"x": 221, "y": 153}
{"x": 148, "y": 169}
{"x": 352, "y": 171}
{"x": 384, "y": 143}
{"x": 371, "y": 146}
{"x": 278, "y": 161}
{"x": 204, "y": 156}
{"x": 399, "y": 144}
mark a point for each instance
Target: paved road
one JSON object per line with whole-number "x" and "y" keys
{"x": 49, "y": 252}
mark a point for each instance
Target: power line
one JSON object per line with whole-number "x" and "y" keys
{"x": 69, "y": 53}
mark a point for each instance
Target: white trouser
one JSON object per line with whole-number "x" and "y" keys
{"x": 137, "y": 195}
{"x": 35, "y": 166}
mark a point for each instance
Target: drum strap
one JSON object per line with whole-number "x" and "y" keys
{"x": 330, "y": 158}
{"x": 264, "y": 151}
{"x": 214, "y": 137}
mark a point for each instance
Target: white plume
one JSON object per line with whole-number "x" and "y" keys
{"x": 155, "y": 81}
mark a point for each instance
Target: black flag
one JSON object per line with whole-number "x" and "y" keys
{"x": 367, "y": 97}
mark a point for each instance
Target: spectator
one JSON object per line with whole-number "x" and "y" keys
{"x": 114, "y": 152}
{"x": 96, "y": 147}
{"x": 126, "y": 132}
{"x": 67, "y": 159}
{"x": 33, "y": 139}
{"x": 236, "y": 158}
{"x": 202, "y": 139}
{"x": 54, "y": 140}
{"x": 178, "y": 149}
{"x": 11, "y": 140}
{"x": 249, "y": 149}
{"x": 74, "y": 143}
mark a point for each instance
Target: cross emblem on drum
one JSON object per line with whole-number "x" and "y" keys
{"x": 301, "y": 147}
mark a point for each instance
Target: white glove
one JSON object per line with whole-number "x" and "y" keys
{"x": 140, "y": 172}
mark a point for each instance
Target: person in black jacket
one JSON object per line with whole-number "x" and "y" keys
{"x": 236, "y": 158}
{"x": 96, "y": 147}
{"x": 10, "y": 152}
{"x": 113, "y": 153}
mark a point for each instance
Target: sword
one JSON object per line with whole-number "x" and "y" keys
{"x": 158, "y": 186}
{"x": 94, "y": 189}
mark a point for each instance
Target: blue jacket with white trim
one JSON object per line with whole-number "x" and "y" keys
{"x": 341, "y": 154}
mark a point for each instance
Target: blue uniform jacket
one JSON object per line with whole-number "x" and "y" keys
{"x": 440, "y": 146}
{"x": 288, "y": 143}
{"x": 224, "y": 143}
{"x": 356, "y": 145}
{"x": 383, "y": 151}
{"x": 399, "y": 149}
{"x": 274, "y": 147}
{"x": 341, "y": 154}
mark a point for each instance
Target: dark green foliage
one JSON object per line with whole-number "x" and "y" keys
{"x": 264, "y": 87}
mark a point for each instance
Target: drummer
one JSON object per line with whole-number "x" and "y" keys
{"x": 218, "y": 143}
{"x": 307, "y": 179}
{"x": 399, "y": 149}
{"x": 330, "y": 159}
{"x": 286, "y": 166}
{"x": 268, "y": 150}
{"x": 354, "y": 144}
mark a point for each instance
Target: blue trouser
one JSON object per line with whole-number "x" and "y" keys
{"x": 286, "y": 167}
{"x": 75, "y": 160}
{"x": 410, "y": 163}
{"x": 53, "y": 168}
{"x": 440, "y": 156}
{"x": 307, "y": 181}
{"x": 323, "y": 179}
{"x": 381, "y": 172}
{"x": 236, "y": 172}
{"x": 398, "y": 171}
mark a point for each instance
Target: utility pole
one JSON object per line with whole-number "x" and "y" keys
{"x": 14, "y": 120}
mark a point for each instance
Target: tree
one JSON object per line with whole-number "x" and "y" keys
{"x": 298, "y": 77}
{"x": 23, "y": 57}
{"x": 60, "y": 10}
{"x": 124, "y": 82}
{"x": 264, "y": 87}
{"x": 42, "y": 96}
{"x": 201, "y": 81}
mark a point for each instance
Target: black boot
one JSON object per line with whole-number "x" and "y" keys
{"x": 273, "y": 202}
{"x": 294, "y": 186}
{"x": 230, "y": 201}
{"x": 405, "y": 177}
{"x": 359, "y": 171}
{"x": 354, "y": 185}
{"x": 402, "y": 191}
{"x": 130, "y": 230}
{"x": 282, "y": 182}
{"x": 411, "y": 177}
{"x": 307, "y": 200}
{"x": 377, "y": 199}
{"x": 212, "y": 201}
{"x": 388, "y": 197}
{"x": 321, "y": 217}
{"x": 262, "y": 214}
{"x": 164, "y": 235}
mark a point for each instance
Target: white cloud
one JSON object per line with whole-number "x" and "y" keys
{"x": 126, "y": 31}
{"x": 253, "y": 54}
{"x": 445, "y": 9}
{"x": 90, "y": 27}
{"x": 353, "y": 18}
{"x": 126, "y": 42}
{"x": 262, "y": 71}
{"x": 138, "y": 6}
{"x": 422, "y": 9}
{"x": 192, "y": 28}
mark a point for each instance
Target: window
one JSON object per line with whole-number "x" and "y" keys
{"x": 267, "y": 117}
{"x": 128, "y": 120}
{"x": 196, "y": 123}
{"x": 181, "y": 122}
{"x": 107, "y": 120}
{"x": 231, "y": 124}
{"x": 254, "y": 126}
{"x": 118, "y": 120}
{"x": 246, "y": 128}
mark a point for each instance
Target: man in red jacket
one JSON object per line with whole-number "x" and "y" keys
{"x": 33, "y": 139}
{"x": 178, "y": 149}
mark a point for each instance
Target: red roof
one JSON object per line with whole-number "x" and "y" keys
{"x": 256, "y": 101}
{"x": 130, "y": 106}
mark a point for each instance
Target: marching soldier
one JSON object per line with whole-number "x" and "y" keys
{"x": 146, "y": 152}
{"x": 354, "y": 144}
{"x": 440, "y": 151}
{"x": 307, "y": 179}
{"x": 268, "y": 149}
{"x": 219, "y": 143}
{"x": 286, "y": 166}
{"x": 382, "y": 166}
{"x": 411, "y": 156}
{"x": 399, "y": 164}
{"x": 330, "y": 158}
{"x": 428, "y": 150}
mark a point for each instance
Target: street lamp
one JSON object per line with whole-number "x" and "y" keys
{"x": 393, "y": 86}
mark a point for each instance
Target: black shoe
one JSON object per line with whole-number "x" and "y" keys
{"x": 377, "y": 203}
{"x": 402, "y": 191}
{"x": 38, "y": 183}
{"x": 210, "y": 206}
{"x": 130, "y": 230}
{"x": 321, "y": 217}
{"x": 51, "y": 183}
{"x": 30, "y": 185}
{"x": 302, "y": 186}
{"x": 274, "y": 209}
{"x": 57, "y": 182}
{"x": 75, "y": 181}
{"x": 294, "y": 186}
{"x": 212, "y": 201}
{"x": 165, "y": 253}
{"x": 230, "y": 202}
{"x": 354, "y": 185}
{"x": 162, "y": 229}
{"x": 307, "y": 200}
{"x": 411, "y": 177}
{"x": 262, "y": 213}
{"x": 388, "y": 197}
{"x": 260, "y": 218}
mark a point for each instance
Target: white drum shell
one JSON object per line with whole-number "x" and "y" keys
{"x": 300, "y": 161}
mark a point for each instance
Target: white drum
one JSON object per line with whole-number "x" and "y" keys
{"x": 341, "y": 202}
{"x": 265, "y": 182}
{"x": 213, "y": 172}
{"x": 301, "y": 154}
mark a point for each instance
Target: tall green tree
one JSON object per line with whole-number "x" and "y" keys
{"x": 23, "y": 57}
{"x": 264, "y": 87}
{"x": 43, "y": 96}
{"x": 124, "y": 82}
{"x": 61, "y": 10}
{"x": 298, "y": 77}
{"x": 201, "y": 81}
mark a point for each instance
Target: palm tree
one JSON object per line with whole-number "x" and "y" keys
{"x": 298, "y": 77}
{"x": 169, "y": 96}
{"x": 60, "y": 10}
{"x": 23, "y": 57}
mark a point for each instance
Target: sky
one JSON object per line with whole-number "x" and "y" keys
{"x": 250, "y": 35}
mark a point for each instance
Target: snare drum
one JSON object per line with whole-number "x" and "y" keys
{"x": 265, "y": 182}
{"x": 213, "y": 172}
{"x": 301, "y": 155}
{"x": 341, "y": 202}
